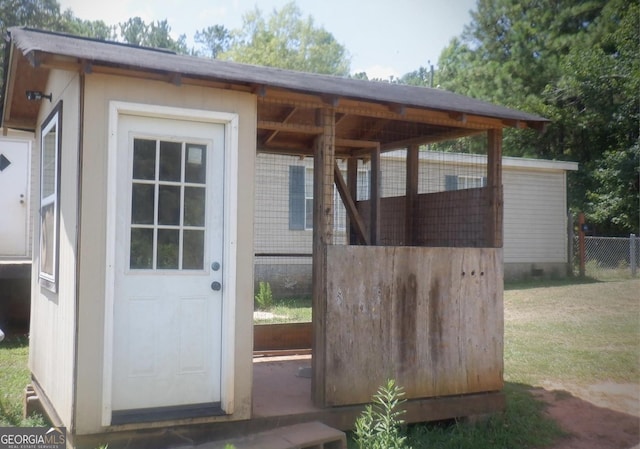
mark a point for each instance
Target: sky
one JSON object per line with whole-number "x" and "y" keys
{"x": 383, "y": 37}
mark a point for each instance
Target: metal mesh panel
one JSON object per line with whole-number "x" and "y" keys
{"x": 608, "y": 258}
{"x": 446, "y": 208}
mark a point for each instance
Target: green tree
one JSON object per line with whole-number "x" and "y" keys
{"x": 214, "y": 39}
{"x": 96, "y": 29}
{"x": 156, "y": 34}
{"x": 420, "y": 77}
{"x": 289, "y": 41}
{"x": 44, "y": 14}
{"x": 575, "y": 62}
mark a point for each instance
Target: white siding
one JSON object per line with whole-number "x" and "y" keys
{"x": 53, "y": 330}
{"x": 535, "y": 210}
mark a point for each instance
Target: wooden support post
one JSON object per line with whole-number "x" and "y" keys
{"x": 494, "y": 189}
{"x": 350, "y": 206}
{"x": 374, "y": 227}
{"x": 323, "y": 176}
{"x": 352, "y": 184}
{"x": 411, "y": 194}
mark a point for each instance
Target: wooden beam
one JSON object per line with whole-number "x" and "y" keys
{"x": 356, "y": 143}
{"x": 12, "y": 65}
{"x": 175, "y": 79}
{"x": 295, "y": 150}
{"x": 323, "y": 176}
{"x": 286, "y": 119}
{"x": 494, "y": 188}
{"x": 331, "y": 100}
{"x": 289, "y": 127}
{"x": 352, "y": 211}
{"x": 518, "y": 124}
{"x": 352, "y": 184}
{"x": 374, "y": 226}
{"x": 399, "y": 109}
{"x": 371, "y": 132}
{"x": 20, "y": 123}
{"x": 285, "y": 336}
{"x": 380, "y": 110}
{"x": 260, "y": 90}
{"x": 411, "y": 193}
{"x": 459, "y": 116}
{"x": 425, "y": 140}
{"x": 340, "y": 118}
{"x": 87, "y": 67}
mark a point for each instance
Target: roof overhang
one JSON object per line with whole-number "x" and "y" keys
{"x": 21, "y": 75}
{"x": 368, "y": 114}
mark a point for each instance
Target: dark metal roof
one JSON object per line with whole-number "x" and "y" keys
{"x": 97, "y": 52}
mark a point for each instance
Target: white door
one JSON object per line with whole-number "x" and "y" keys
{"x": 168, "y": 269}
{"x": 14, "y": 188}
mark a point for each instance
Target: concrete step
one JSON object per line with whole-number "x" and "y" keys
{"x": 311, "y": 435}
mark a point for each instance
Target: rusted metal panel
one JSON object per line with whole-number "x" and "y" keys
{"x": 430, "y": 318}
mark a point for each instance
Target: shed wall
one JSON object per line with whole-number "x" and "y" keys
{"x": 53, "y": 315}
{"x": 100, "y": 90}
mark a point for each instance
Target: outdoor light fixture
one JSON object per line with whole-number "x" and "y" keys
{"x": 35, "y": 95}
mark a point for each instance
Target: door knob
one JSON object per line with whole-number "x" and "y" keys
{"x": 216, "y": 286}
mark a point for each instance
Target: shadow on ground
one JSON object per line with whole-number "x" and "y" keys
{"x": 538, "y": 283}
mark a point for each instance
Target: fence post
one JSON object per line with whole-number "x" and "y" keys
{"x": 570, "y": 237}
{"x": 581, "y": 248}
{"x": 632, "y": 254}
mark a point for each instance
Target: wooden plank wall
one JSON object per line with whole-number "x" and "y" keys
{"x": 392, "y": 220}
{"x": 455, "y": 218}
{"x": 430, "y": 318}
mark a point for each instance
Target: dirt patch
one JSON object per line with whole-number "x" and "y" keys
{"x": 600, "y": 416}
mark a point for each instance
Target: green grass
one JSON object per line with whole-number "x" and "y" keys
{"x": 576, "y": 333}
{"x": 522, "y": 425}
{"x": 14, "y": 376}
{"x": 290, "y": 310}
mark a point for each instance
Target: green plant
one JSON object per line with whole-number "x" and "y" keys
{"x": 522, "y": 425}
{"x": 379, "y": 425}
{"x": 264, "y": 298}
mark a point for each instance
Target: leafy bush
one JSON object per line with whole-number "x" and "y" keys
{"x": 264, "y": 298}
{"x": 379, "y": 425}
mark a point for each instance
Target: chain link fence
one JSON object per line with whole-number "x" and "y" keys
{"x": 608, "y": 258}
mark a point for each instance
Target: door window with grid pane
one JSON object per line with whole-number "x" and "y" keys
{"x": 168, "y": 204}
